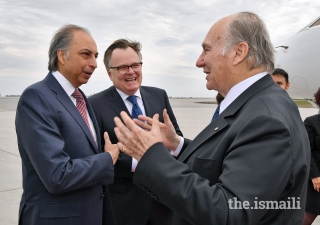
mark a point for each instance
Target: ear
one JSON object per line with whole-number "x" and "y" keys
{"x": 241, "y": 52}
{"x": 61, "y": 57}
{"x": 287, "y": 85}
{"x": 109, "y": 73}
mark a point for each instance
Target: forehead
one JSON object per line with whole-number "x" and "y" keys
{"x": 82, "y": 40}
{"x": 215, "y": 34}
{"x": 278, "y": 77}
{"x": 124, "y": 56}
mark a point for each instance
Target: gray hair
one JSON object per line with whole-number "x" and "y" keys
{"x": 249, "y": 27}
{"x": 62, "y": 41}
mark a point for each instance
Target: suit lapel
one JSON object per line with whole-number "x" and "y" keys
{"x": 116, "y": 102}
{"x": 220, "y": 122}
{"x": 95, "y": 125}
{"x": 213, "y": 128}
{"x": 147, "y": 102}
{"x": 65, "y": 100}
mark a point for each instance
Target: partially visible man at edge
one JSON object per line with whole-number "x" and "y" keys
{"x": 64, "y": 168}
{"x": 281, "y": 77}
{"x": 254, "y": 152}
{"x": 123, "y": 62}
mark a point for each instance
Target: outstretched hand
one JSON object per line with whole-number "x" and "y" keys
{"x": 111, "y": 148}
{"x": 134, "y": 140}
{"x": 168, "y": 133}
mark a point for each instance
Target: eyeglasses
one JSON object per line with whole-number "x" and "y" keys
{"x": 136, "y": 67}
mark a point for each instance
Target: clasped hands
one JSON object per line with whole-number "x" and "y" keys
{"x": 138, "y": 135}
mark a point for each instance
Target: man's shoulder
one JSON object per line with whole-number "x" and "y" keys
{"x": 152, "y": 89}
{"x": 40, "y": 87}
{"x": 313, "y": 118}
{"x": 102, "y": 94}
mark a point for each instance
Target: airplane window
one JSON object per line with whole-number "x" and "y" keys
{"x": 317, "y": 23}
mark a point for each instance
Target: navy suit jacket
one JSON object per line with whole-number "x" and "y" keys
{"x": 129, "y": 203}
{"x": 63, "y": 168}
{"x": 255, "y": 151}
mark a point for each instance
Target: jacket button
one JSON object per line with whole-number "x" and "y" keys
{"x": 103, "y": 196}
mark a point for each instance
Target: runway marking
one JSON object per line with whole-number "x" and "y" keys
{"x": 9, "y": 152}
{"x": 13, "y": 189}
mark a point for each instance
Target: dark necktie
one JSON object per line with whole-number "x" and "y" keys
{"x": 81, "y": 106}
{"x": 216, "y": 113}
{"x": 136, "y": 111}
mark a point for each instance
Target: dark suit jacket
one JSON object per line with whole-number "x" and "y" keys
{"x": 130, "y": 204}
{"x": 312, "y": 125}
{"x": 256, "y": 150}
{"x": 63, "y": 168}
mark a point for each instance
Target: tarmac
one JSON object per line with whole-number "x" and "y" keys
{"x": 192, "y": 118}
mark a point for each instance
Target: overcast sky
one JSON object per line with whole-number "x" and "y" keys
{"x": 171, "y": 33}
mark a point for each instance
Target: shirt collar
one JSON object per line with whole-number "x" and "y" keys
{"x": 238, "y": 89}
{"x": 125, "y": 96}
{"x": 65, "y": 84}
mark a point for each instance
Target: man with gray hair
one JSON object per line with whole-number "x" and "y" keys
{"x": 63, "y": 165}
{"x": 250, "y": 164}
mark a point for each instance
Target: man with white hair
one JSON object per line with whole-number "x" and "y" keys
{"x": 250, "y": 164}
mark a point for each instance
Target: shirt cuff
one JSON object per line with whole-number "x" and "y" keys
{"x": 134, "y": 164}
{"x": 178, "y": 150}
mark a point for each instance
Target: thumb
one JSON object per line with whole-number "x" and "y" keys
{"x": 155, "y": 122}
{"x": 106, "y": 138}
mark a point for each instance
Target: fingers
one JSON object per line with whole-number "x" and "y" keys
{"x": 144, "y": 118}
{"x": 166, "y": 117}
{"x": 142, "y": 124}
{"x": 155, "y": 122}
{"x": 107, "y": 141}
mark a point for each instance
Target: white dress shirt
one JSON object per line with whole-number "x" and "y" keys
{"x": 69, "y": 89}
{"x": 238, "y": 89}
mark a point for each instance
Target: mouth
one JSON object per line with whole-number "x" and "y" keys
{"x": 130, "y": 79}
{"x": 88, "y": 73}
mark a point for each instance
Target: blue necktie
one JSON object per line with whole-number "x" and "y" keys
{"x": 216, "y": 113}
{"x": 136, "y": 111}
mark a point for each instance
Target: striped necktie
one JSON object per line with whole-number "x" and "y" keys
{"x": 82, "y": 107}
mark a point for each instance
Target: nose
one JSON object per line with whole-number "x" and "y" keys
{"x": 200, "y": 61}
{"x": 130, "y": 70}
{"x": 93, "y": 62}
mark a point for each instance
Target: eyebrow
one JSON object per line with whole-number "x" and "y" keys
{"x": 86, "y": 49}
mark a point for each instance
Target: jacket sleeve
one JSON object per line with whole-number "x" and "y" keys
{"x": 247, "y": 173}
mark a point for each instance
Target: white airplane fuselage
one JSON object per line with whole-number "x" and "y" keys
{"x": 299, "y": 56}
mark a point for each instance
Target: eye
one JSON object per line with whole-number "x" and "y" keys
{"x": 122, "y": 67}
{"x": 135, "y": 65}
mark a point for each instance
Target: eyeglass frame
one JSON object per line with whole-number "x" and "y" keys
{"x": 120, "y": 67}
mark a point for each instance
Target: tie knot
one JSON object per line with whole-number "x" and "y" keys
{"x": 132, "y": 99}
{"x": 77, "y": 94}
